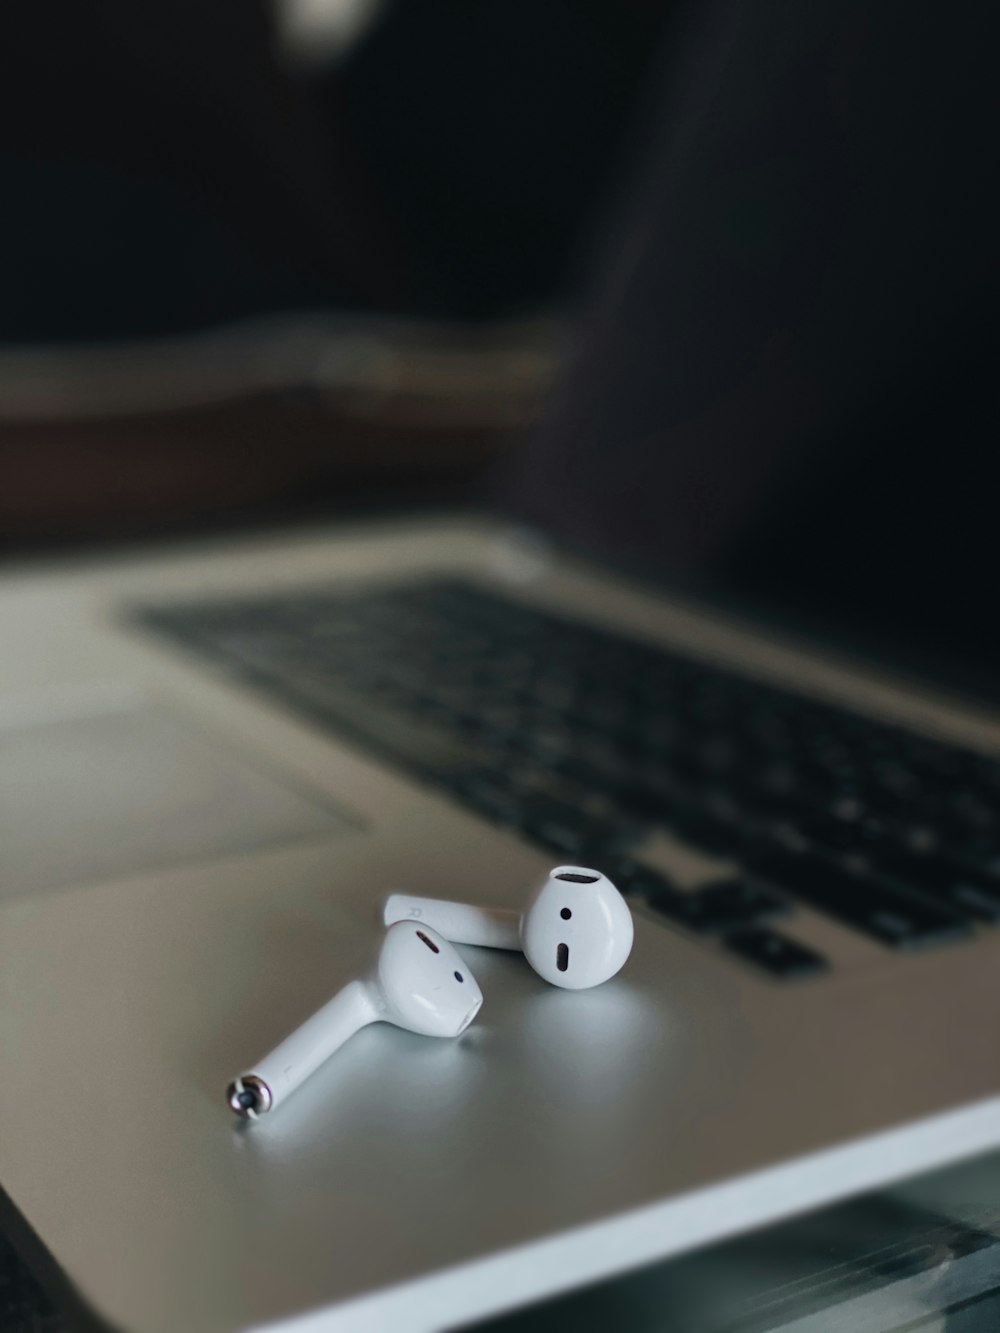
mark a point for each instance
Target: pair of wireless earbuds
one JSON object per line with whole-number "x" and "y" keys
{"x": 576, "y": 932}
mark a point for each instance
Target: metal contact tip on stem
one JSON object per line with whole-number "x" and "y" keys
{"x": 248, "y": 1097}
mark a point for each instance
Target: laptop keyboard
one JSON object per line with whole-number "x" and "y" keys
{"x": 583, "y": 741}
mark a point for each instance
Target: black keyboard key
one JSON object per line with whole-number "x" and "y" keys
{"x": 707, "y": 818}
{"x": 634, "y": 879}
{"x": 718, "y": 909}
{"x": 972, "y": 809}
{"x": 777, "y": 954}
{"x": 491, "y": 798}
{"x": 569, "y": 831}
{"x": 647, "y": 793}
{"x": 416, "y": 744}
{"x": 662, "y": 896}
{"x": 966, "y": 891}
{"x": 657, "y": 891}
{"x": 710, "y": 829}
{"x": 979, "y": 853}
{"x": 862, "y": 900}
{"x": 863, "y": 836}
{"x": 712, "y": 910}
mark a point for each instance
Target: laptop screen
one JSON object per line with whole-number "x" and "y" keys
{"x": 784, "y": 391}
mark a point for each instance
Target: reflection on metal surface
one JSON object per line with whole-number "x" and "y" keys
{"x": 877, "y": 1265}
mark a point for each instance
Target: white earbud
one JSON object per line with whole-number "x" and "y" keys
{"x": 419, "y": 983}
{"x": 576, "y": 930}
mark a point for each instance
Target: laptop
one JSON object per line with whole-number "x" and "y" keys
{"x": 722, "y": 633}
{"x": 218, "y": 761}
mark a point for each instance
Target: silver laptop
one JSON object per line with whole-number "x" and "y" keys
{"x": 694, "y": 644}
{"x": 217, "y": 761}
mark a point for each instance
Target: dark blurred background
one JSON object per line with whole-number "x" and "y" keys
{"x": 312, "y": 257}
{"x": 270, "y": 258}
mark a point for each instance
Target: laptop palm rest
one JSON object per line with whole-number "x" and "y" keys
{"x": 92, "y": 798}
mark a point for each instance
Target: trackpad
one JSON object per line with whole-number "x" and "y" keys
{"x": 116, "y": 793}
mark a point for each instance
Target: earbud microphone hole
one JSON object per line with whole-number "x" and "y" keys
{"x": 578, "y": 879}
{"x": 562, "y": 957}
{"x": 428, "y": 941}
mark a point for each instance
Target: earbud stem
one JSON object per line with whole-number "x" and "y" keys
{"x": 461, "y": 923}
{"x": 310, "y": 1045}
